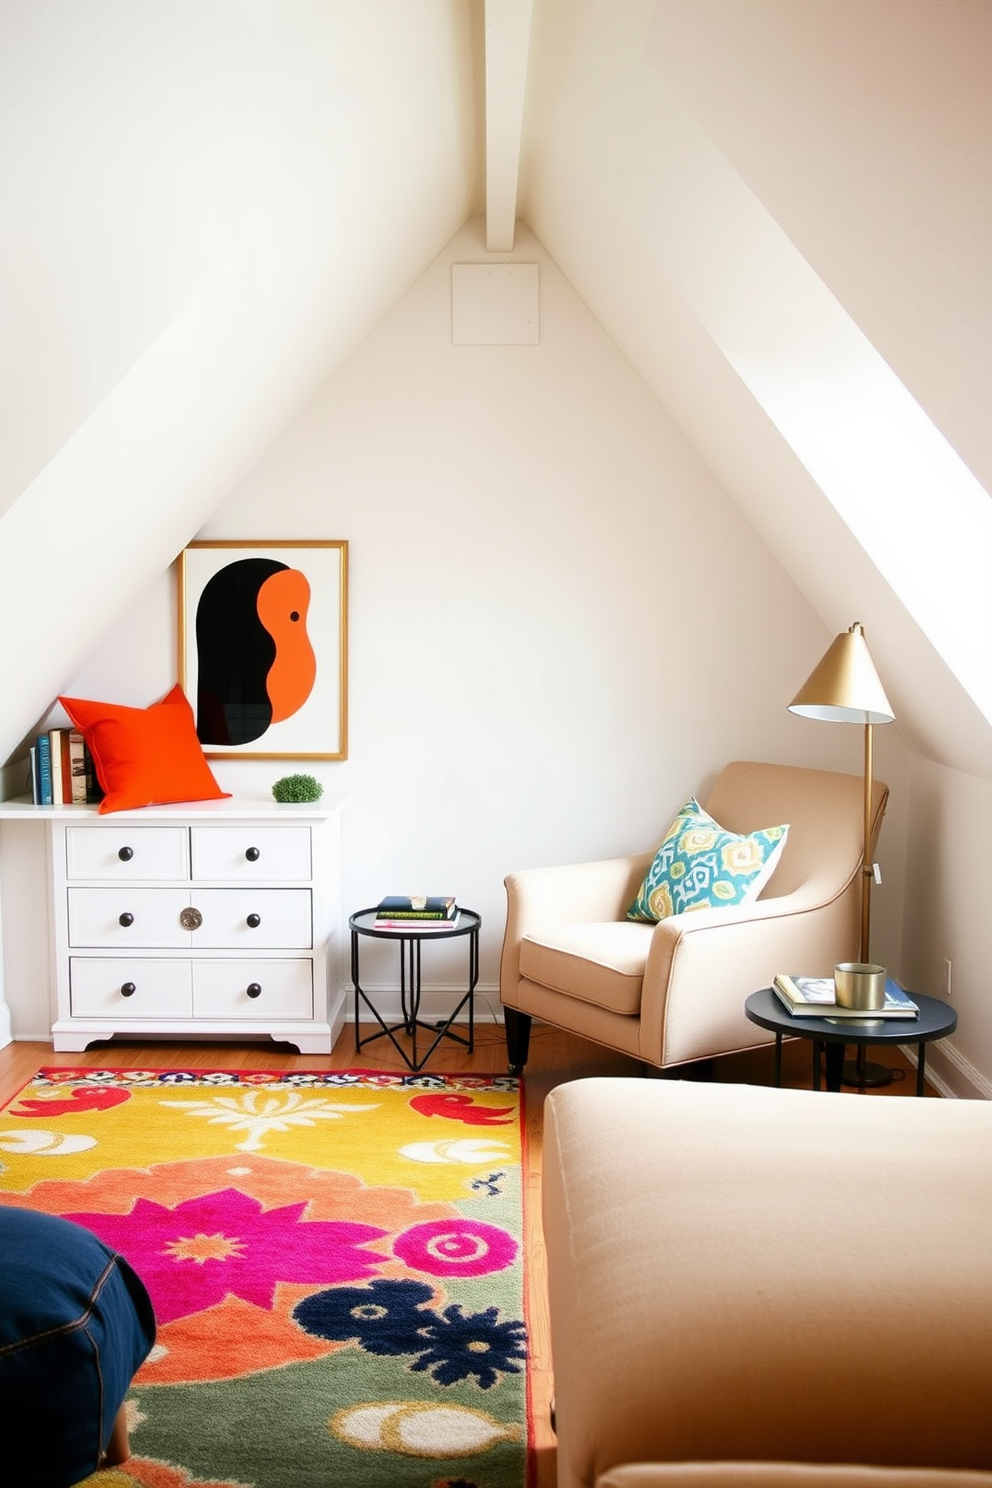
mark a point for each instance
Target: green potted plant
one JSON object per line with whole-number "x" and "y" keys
{"x": 297, "y": 789}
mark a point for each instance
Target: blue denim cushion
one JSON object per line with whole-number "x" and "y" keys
{"x": 75, "y": 1324}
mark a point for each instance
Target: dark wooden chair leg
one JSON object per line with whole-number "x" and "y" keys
{"x": 699, "y": 1069}
{"x": 517, "y": 1026}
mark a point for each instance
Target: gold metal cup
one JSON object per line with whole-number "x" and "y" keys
{"x": 860, "y": 984}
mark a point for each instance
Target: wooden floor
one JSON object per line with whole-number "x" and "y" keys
{"x": 554, "y": 1057}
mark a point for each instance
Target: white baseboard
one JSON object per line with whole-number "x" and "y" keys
{"x": 950, "y": 1073}
{"x": 435, "y": 1004}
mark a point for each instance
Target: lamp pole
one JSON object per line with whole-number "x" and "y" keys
{"x": 867, "y": 872}
{"x": 844, "y": 688}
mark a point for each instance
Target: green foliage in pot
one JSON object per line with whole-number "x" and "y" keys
{"x": 297, "y": 788}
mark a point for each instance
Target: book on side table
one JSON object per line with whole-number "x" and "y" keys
{"x": 416, "y": 912}
{"x": 815, "y": 997}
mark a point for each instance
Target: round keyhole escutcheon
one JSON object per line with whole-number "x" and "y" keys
{"x": 190, "y": 919}
{"x": 253, "y": 921}
{"x": 128, "y": 989}
{"x": 125, "y": 854}
{"x": 254, "y": 989}
{"x": 125, "y": 919}
{"x": 252, "y": 854}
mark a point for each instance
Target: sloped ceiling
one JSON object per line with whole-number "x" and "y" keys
{"x": 744, "y": 194}
{"x": 147, "y": 147}
{"x": 207, "y": 205}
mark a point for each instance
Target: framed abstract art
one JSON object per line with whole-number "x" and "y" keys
{"x": 263, "y": 647}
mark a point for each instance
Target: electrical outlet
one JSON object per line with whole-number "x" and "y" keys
{"x": 945, "y": 981}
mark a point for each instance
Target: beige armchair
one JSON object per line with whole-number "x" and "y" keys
{"x": 672, "y": 993}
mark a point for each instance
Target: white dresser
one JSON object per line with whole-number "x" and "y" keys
{"x": 214, "y": 919}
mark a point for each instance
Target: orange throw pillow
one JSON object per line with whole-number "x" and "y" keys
{"x": 145, "y": 756}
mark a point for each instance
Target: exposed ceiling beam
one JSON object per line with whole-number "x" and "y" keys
{"x": 507, "y": 47}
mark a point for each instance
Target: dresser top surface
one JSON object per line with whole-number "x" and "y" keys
{"x": 234, "y": 808}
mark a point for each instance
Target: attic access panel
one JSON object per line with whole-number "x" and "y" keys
{"x": 495, "y": 304}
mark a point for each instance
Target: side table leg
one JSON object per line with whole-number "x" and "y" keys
{"x": 778, "y": 1060}
{"x": 406, "y": 951}
{"x": 354, "y": 983}
{"x": 473, "y": 977}
{"x": 414, "y": 994}
{"x": 835, "y": 1064}
{"x": 921, "y": 1068}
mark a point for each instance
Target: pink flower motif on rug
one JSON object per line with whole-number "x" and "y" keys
{"x": 225, "y": 1244}
{"x": 456, "y": 1247}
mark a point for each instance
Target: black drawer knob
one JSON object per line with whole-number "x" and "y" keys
{"x": 254, "y": 989}
{"x": 252, "y": 854}
{"x": 254, "y": 920}
{"x": 128, "y": 989}
{"x": 125, "y": 854}
{"x": 125, "y": 919}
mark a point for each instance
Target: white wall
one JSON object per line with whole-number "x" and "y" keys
{"x": 948, "y": 913}
{"x": 559, "y": 624}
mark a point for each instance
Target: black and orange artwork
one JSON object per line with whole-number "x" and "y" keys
{"x": 255, "y": 663}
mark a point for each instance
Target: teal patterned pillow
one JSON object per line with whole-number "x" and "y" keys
{"x": 701, "y": 866}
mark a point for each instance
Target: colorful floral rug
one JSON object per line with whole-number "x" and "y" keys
{"x": 335, "y": 1261}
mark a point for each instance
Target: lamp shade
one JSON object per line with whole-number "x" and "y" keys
{"x": 844, "y": 687}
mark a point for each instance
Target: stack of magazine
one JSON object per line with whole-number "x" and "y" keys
{"x": 815, "y": 997}
{"x": 417, "y": 912}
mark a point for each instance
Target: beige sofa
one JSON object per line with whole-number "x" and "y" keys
{"x": 767, "y": 1286}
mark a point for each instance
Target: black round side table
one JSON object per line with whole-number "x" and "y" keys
{"x": 935, "y": 1020}
{"x": 410, "y": 940}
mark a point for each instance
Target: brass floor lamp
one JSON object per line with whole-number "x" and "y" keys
{"x": 845, "y": 688}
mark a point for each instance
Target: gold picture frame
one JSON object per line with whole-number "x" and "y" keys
{"x": 272, "y": 688}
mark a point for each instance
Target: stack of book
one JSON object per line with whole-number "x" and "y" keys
{"x": 62, "y": 772}
{"x": 416, "y": 912}
{"x": 816, "y": 997}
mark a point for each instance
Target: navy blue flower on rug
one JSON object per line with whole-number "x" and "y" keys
{"x": 462, "y": 1346}
{"x": 385, "y": 1318}
{"x": 389, "y": 1317}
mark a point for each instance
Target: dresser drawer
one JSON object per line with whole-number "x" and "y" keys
{"x": 125, "y": 918}
{"x": 132, "y": 987}
{"x": 123, "y": 852}
{"x": 251, "y": 852}
{"x": 247, "y": 920}
{"x": 243, "y": 920}
{"x": 267, "y": 990}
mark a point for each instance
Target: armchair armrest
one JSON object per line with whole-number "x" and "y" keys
{"x": 574, "y": 894}
{"x": 703, "y": 965}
